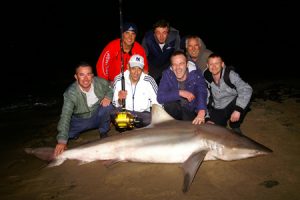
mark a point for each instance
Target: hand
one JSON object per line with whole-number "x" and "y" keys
{"x": 200, "y": 117}
{"x": 105, "y": 102}
{"x": 235, "y": 116}
{"x": 122, "y": 94}
{"x": 59, "y": 149}
{"x": 186, "y": 94}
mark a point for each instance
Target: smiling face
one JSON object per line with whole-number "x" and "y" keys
{"x": 215, "y": 65}
{"x": 193, "y": 47}
{"x": 128, "y": 38}
{"x": 179, "y": 66}
{"x": 84, "y": 76}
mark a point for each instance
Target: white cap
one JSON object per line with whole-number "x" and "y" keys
{"x": 136, "y": 61}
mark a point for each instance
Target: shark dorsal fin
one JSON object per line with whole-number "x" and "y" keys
{"x": 159, "y": 115}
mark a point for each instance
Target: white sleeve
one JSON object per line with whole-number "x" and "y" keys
{"x": 117, "y": 88}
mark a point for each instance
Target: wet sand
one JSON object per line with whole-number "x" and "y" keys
{"x": 273, "y": 123}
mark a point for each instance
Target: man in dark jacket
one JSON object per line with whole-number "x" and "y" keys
{"x": 159, "y": 45}
{"x": 182, "y": 90}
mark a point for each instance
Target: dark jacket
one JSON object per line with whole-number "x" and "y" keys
{"x": 168, "y": 90}
{"x": 159, "y": 59}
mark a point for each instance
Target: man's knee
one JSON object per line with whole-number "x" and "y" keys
{"x": 107, "y": 110}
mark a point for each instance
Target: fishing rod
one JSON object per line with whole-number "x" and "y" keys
{"x": 122, "y": 53}
{"x": 124, "y": 120}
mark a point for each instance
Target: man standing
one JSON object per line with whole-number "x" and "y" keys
{"x": 110, "y": 60}
{"x": 182, "y": 90}
{"x": 159, "y": 45}
{"x": 87, "y": 105}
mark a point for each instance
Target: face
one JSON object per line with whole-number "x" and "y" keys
{"x": 215, "y": 65}
{"x": 193, "y": 47}
{"x": 161, "y": 33}
{"x": 135, "y": 73}
{"x": 129, "y": 38}
{"x": 84, "y": 77}
{"x": 179, "y": 67}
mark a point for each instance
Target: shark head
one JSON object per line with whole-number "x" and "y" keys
{"x": 244, "y": 147}
{"x": 224, "y": 144}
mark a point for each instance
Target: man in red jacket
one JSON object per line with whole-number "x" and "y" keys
{"x": 109, "y": 63}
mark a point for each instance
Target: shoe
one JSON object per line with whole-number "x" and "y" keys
{"x": 237, "y": 130}
{"x": 102, "y": 136}
{"x": 74, "y": 138}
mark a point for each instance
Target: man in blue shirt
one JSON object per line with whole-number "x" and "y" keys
{"x": 182, "y": 90}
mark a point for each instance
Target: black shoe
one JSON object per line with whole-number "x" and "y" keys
{"x": 74, "y": 138}
{"x": 102, "y": 136}
{"x": 237, "y": 130}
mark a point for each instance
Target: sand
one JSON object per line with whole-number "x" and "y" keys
{"x": 273, "y": 123}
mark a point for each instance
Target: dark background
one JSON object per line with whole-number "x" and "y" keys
{"x": 44, "y": 40}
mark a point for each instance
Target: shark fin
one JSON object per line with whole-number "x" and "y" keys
{"x": 190, "y": 168}
{"x": 43, "y": 153}
{"x": 56, "y": 162}
{"x": 159, "y": 115}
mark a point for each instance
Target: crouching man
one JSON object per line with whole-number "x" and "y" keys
{"x": 87, "y": 105}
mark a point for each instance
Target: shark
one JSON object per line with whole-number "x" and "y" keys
{"x": 165, "y": 140}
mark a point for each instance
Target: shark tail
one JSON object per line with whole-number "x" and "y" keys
{"x": 47, "y": 154}
{"x": 43, "y": 153}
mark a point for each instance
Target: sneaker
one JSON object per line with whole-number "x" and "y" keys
{"x": 237, "y": 130}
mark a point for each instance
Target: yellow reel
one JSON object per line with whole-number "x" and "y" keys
{"x": 124, "y": 120}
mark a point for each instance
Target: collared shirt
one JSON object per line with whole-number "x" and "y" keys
{"x": 91, "y": 97}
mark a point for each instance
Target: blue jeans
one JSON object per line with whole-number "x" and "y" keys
{"x": 100, "y": 120}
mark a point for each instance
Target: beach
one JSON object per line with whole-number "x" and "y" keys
{"x": 273, "y": 121}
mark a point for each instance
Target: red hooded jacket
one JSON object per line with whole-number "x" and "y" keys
{"x": 109, "y": 62}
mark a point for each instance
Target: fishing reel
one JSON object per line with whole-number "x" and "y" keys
{"x": 126, "y": 121}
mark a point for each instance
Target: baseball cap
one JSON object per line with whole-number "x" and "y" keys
{"x": 129, "y": 27}
{"x": 136, "y": 61}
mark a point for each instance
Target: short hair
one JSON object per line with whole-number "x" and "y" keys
{"x": 83, "y": 64}
{"x": 215, "y": 55}
{"x": 161, "y": 23}
{"x": 192, "y": 37}
{"x": 177, "y": 53}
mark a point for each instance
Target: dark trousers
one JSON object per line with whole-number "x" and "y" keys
{"x": 100, "y": 120}
{"x": 179, "y": 112}
{"x": 222, "y": 116}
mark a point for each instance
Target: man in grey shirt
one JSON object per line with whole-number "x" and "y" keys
{"x": 196, "y": 51}
{"x": 229, "y": 102}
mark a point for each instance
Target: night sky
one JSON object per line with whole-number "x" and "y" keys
{"x": 44, "y": 40}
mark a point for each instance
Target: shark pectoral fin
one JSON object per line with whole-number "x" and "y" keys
{"x": 56, "y": 162}
{"x": 190, "y": 168}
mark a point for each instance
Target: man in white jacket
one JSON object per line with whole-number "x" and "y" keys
{"x": 140, "y": 90}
